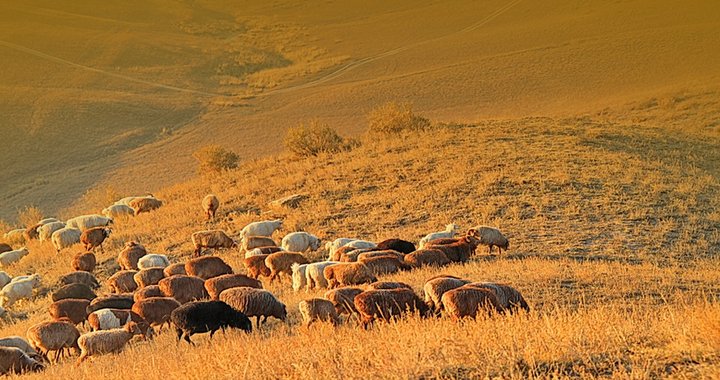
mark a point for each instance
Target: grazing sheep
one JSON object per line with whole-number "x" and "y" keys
{"x": 334, "y": 245}
{"x": 254, "y": 303}
{"x": 21, "y": 343}
{"x": 459, "y": 251}
{"x": 173, "y": 269}
{"x": 509, "y": 298}
{"x": 46, "y": 230}
{"x": 281, "y": 263}
{"x": 183, "y": 288}
{"x": 491, "y": 237}
{"x": 429, "y": 257}
{"x": 156, "y": 310}
{"x": 210, "y": 205}
{"x": 216, "y": 285}
{"x": 106, "y": 341}
{"x": 118, "y": 211}
{"x": 315, "y": 276}
{"x": 108, "y": 319}
{"x": 262, "y": 251}
{"x": 349, "y": 254}
{"x": 86, "y": 222}
{"x": 4, "y": 247}
{"x": 79, "y": 291}
{"x": 74, "y": 309}
{"x": 364, "y": 254}
{"x": 361, "y": 244}
{"x": 147, "y": 292}
{"x": 153, "y": 260}
{"x": 211, "y": 239}
{"x": 385, "y": 264}
{"x": 348, "y": 274}
{"x": 147, "y": 277}
{"x": 402, "y": 246}
{"x": 450, "y": 231}
{"x": 123, "y": 282}
{"x": 4, "y": 279}
{"x": 144, "y": 204}
{"x": 65, "y": 237}
{"x": 79, "y": 277}
{"x": 84, "y": 261}
{"x": 207, "y": 316}
{"x": 126, "y": 201}
{"x": 299, "y": 280}
{"x": 53, "y": 336}
{"x": 17, "y": 290}
{"x": 437, "y": 286}
{"x": 129, "y": 256}
{"x": 252, "y": 242}
{"x": 344, "y": 299}
{"x": 256, "y": 267}
{"x": 300, "y": 242}
{"x": 467, "y": 301}
{"x": 94, "y": 237}
{"x": 15, "y": 360}
{"x": 262, "y": 228}
{"x": 388, "y": 285}
{"x": 11, "y": 257}
{"x": 318, "y": 309}
{"x": 207, "y": 267}
{"x": 387, "y": 304}
{"x": 113, "y": 301}
{"x": 16, "y": 236}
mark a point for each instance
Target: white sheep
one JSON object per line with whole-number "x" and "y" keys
{"x": 4, "y": 279}
{"x": 300, "y": 242}
{"x": 16, "y": 236}
{"x": 106, "y": 341}
{"x": 361, "y": 244}
{"x": 66, "y": 237}
{"x": 262, "y": 228}
{"x": 48, "y": 220}
{"x": 11, "y": 257}
{"x": 450, "y": 231}
{"x": 314, "y": 274}
{"x": 85, "y": 222}
{"x": 125, "y": 201}
{"x": 298, "y": 276}
{"x": 153, "y": 260}
{"x": 46, "y": 230}
{"x": 15, "y": 291}
{"x": 333, "y": 246}
{"x": 118, "y": 211}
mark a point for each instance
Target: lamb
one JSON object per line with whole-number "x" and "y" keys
{"x": 491, "y": 237}
{"x": 256, "y": 267}
{"x": 150, "y": 276}
{"x": 147, "y": 292}
{"x": 348, "y": 274}
{"x": 79, "y": 291}
{"x": 86, "y": 222}
{"x": 334, "y": 245}
{"x": 74, "y": 309}
{"x": 53, "y": 336}
{"x": 299, "y": 280}
{"x": 153, "y": 260}
{"x": 114, "y": 301}
{"x": 11, "y": 257}
{"x": 4, "y": 279}
{"x": 252, "y": 242}
{"x": 79, "y": 277}
{"x": 145, "y": 204}
{"x": 173, "y": 269}
{"x": 211, "y": 239}
{"x": 156, "y": 310}
{"x": 18, "y": 290}
{"x": 450, "y": 231}
{"x": 4, "y": 247}
{"x": 203, "y": 316}
{"x": 262, "y": 228}
{"x": 210, "y": 205}
{"x": 459, "y": 251}
{"x": 427, "y": 257}
{"x": 467, "y": 301}
{"x": 344, "y": 299}
{"x": 216, "y": 285}
{"x": 15, "y": 360}
{"x": 281, "y": 263}
{"x": 318, "y": 309}
{"x": 387, "y": 304}
{"x": 122, "y": 282}
{"x": 94, "y": 237}
{"x": 118, "y": 211}
{"x": 315, "y": 276}
{"x": 300, "y": 242}
{"x": 385, "y": 264}
{"x": 65, "y": 237}
{"x": 183, "y": 288}
{"x": 437, "y": 286}
{"x": 129, "y": 256}
{"x": 84, "y": 261}
{"x": 106, "y": 341}
{"x": 207, "y": 267}
{"x": 107, "y": 319}
{"x": 388, "y": 285}
{"x": 254, "y": 303}
{"x": 46, "y": 230}
{"x": 262, "y": 251}
{"x": 402, "y": 246}
{"x": 508, "y": 297}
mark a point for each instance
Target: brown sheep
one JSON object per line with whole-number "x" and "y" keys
{"x": 385, "y": 264}
{"x": 4, "y": 247}
{"x": 435, "y": 287}
{"x": 210, "y": 205}
{"x": 256, "y": 267}
{"x": 442, "y": 241}
{"x": 388, "y": 285}
{"x": 94, "y": 237}
{"x": 123, "y": 282}
{"x": 80, "y": 291}
{"x": 207, "y": 267}
{"x": 183, "y": 288}
{"x": 173, "y": 269}
{"x": 156, "y": 310}
{"x": 467, "y": 301}
{"x": 387, "y": 304}
{"x": 339, "y": 253}
{"x": 252, "y": 242}
{"x": 318, "y": 309}
{"x": 147, "y": 292}
{"x": 281, "y": 263}
{"x": 79, "y": 277}
{"x": 149, "y": 276}
{"x": 73, "y": 309}
{"x": 129, "y": 256}
{"x": 144, "y": 204}
{"x": 459, "y": 251}
{"x": 84, "y": 261}
{"x": 429, "y": 257}
{"x": 377, "y": 253}
{"x": 216, "y": 285}
{"x": 254, "y": 303}
{"x": 508, "y": 297}
{"x": 348, "y": 274}
{"x": 53, "y": 336}
{"x": 211, "y": 239}
{"x": 113, "y": 301}
{"x": 344, "y": 299}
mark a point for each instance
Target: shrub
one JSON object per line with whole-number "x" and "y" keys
{"x": 215, "y": 158}
{"x": 315, "y": 138}
{"x": 29, "y": 215}
{"x": 395, "y": 118}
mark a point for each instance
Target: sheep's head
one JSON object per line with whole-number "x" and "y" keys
{"x": 315, "y": 244}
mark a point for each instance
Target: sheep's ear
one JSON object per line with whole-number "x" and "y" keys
{"x": 472, "y": 232}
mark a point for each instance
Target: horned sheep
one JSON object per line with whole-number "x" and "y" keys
{"x": 255, "y": 303}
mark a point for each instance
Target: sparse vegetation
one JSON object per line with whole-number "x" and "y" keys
{"x": 29, "y": 215}
{"x": 395, "y": 118}
{"x": 216, "y": 159}
{"x": 314, "y": 138}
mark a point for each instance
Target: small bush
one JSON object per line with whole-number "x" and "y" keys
{"x": 316, "y": 138}
{"x": 395, "y": 118}
{"x": 29, "y": 216}
{"x": 214, "y": 158}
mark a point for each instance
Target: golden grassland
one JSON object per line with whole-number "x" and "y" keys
{"x": 614, "y": 232}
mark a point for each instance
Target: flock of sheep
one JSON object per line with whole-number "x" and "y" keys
{"x": 204, "y": 294}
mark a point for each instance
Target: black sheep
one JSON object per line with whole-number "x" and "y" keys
{"x": 203, "y": 316}
{"x": 399, "y": 245}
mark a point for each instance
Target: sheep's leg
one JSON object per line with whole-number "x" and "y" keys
{"x": 273, "y": 274}
{"x": 82, "y": 358}
{"x": 187, "y": 339}
{"x": 212, "y": 332}
{"x": 491, "y": 249}
{"x": 179, "y": 332}
{"x": 257, "y": 321}
{"x": 264, "y": 319}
